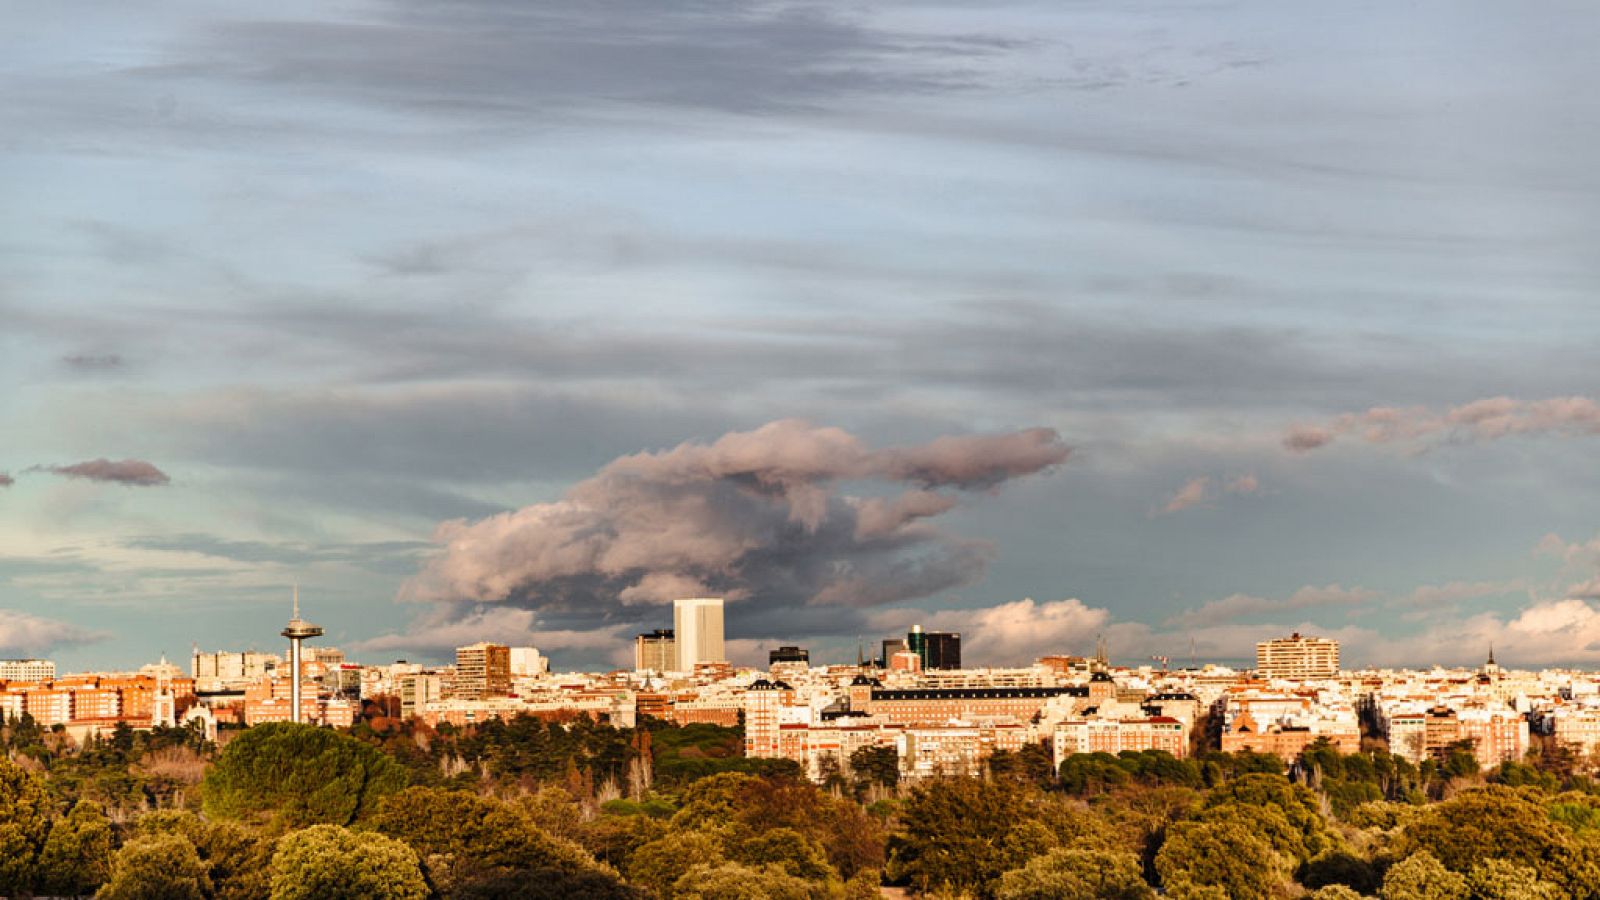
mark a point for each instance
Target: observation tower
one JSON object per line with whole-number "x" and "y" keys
{"x": 296, "y": 631}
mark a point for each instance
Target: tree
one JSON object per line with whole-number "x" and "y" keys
{"x": 878, "y": 766}
{"x": 731, "y": 881}
{"x": 1334, "y": 892}
{"x": 1066, "y": 874}
{"x": 24, "y": 826}
{"x": 1420, "y": 876}
{"x": 464, "y": 837}
{"x": 1497, "y": 879}
{"x": 661, "y": 864}
{"x": 1092, "y": 773}
{"x": 958, "y": 834}
{"x": 327, "y": 862}
{"x": 157, "y": 867}
{"x": 787, "y": 850}
{"x": 77, "y": 856}
{"x": 299, "y": 775}
{"x": 237, "y": 859}
{"x": 1498, "y": 823}
{"x": 1222, "y": 855}
{"x": 1298, "y": 805}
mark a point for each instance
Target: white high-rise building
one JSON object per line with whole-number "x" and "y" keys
{"x": 1298, "y": 657}
{"x": 527, "y": 661}
{"x": 697, "y": 631}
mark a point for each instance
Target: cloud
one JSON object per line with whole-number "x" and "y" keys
{"x": 1488, "y": 419}
{"x": 93, "y": 362}
{"x": 754, "y": 516}
{"x": 1247, "y": 483}
{"x": 439, "y": 632}
{"x": 1194, "y": 492}
{"x": 26, "y": 635}
{"x": 133, "y": 472}
{"x": 6, "y": 480}
{"x": 1452, "y": 594}
{"x": 1239, "y": 606}
{"x": 1202, "y": 489}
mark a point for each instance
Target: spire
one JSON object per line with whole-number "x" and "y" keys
{"x": 1491, "y": 653}
{"x": 296, "y": 601}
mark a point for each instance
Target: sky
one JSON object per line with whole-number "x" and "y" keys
{"x": 1184, "y": 325}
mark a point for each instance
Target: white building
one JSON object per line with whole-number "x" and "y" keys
{"x": 697, "y": 630}
{"x": 528, "y": 662}
{"x": 39, "y": 669}
{"x": 1298, "y": 658}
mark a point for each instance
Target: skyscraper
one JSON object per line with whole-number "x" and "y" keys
{"x": 938, "y": 649}
{"x": 483, "y": 670}
{"x": 697, "y": 630}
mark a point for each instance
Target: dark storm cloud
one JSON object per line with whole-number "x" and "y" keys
{"x": 752, "y": 516}
{"x": 131, "y": 472}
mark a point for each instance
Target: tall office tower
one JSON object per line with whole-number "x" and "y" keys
{"x": 655, "y": 651}
{"x": 483, "y": 670}
{"x": 938, "y": 649}
{"x": 296, "y": 631}
{"x": 697, "y": 630}
{"x": 1297, "y": 656}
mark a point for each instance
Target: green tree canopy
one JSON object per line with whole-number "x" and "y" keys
{"x": 24, "y": 826}
{"x": 157, "y": 867}
{"x": 299, "y": 775}
{"x": 463, "y": 837}
{"x": 1225, "y": 858}
{"x": 1070, "y": 874}
{"x": 327, "y": 862}
{"x": 1421, "y": 876}
{"x": 77, "y": 856}
{"x": 731, "y": 881}
{"x": 661, "y": 864}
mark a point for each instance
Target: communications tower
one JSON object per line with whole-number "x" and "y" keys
{"x": 296, "y": 631}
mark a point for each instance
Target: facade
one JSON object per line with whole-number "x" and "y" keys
{"x": 938, "y": 649}
{"x": 27, "y": 670}
{"x": 789, "y": 655}
{"x": 1297, "y": 657}
{"x": 697, "y": 630}
{"x": 482, "y": 670}
{"x": 527, "y": 662}
{"x": 656, "y": 651}
{"x": 1095, "y": 735}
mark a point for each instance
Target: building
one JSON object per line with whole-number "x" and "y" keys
{"x": 938, "y": 649}
{"x": 891, "y": 646}
{"x": 1096, "y": 735}
{"x": 697, "y": 630}
{"x": 416, "y": 690}
{"x": 223, "y": 665}
{"x": 789, "y": 655}
{"x": 482, "y": 670}
{"x": 656, "y": 651}
{"x": 527, "y": 662}
{"x": 27, "y": 670}
{"x": 1297, "y": 657}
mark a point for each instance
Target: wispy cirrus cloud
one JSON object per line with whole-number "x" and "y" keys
{"x": 1420, "y": 427}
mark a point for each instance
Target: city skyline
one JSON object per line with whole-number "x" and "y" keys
{"x": 1187, "y": 328}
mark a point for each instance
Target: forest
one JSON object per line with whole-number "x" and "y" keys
{"x": 531, "y": 809}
